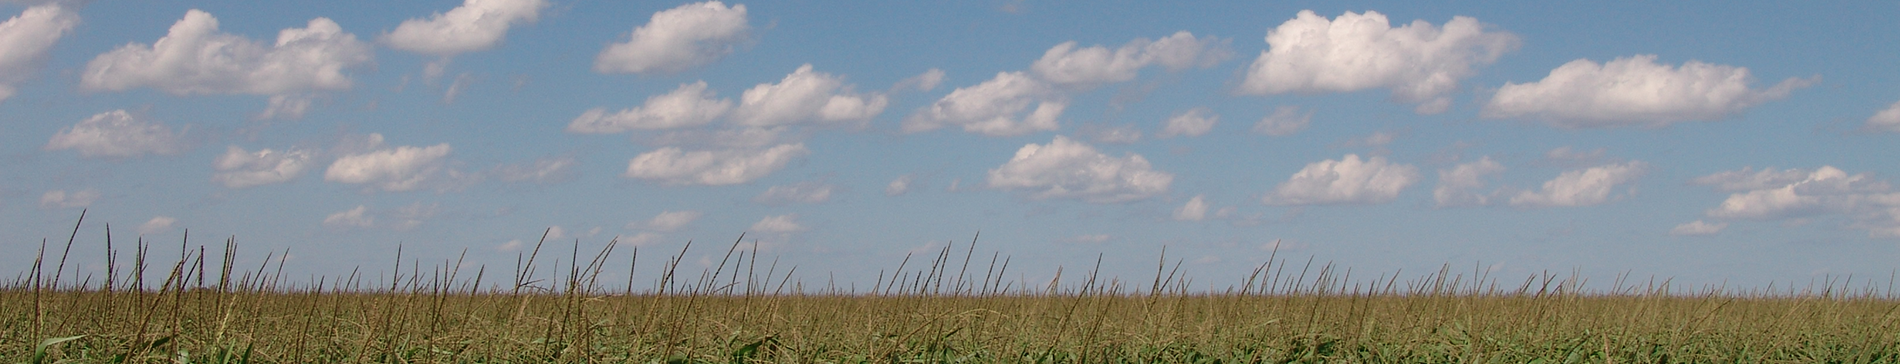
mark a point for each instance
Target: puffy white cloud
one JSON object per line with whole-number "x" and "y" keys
{"x": 921, "y": 82}
{"x": 285, "y": 107}
{"x": 787, "y": 223}
{"x": 1698, "y": 228}
{"x": 1284, "y": 121}
{"x": 673, "y": 166}
{"x": 402, "y": 168}
{"x": 805, "y": 96}
{"x": 358, "y": 217}
{"x": 118, "y": 134}
{"x": 157, "y": 224}
{"x": 899, "y": 186}
{"x": 677, "y": 39}
{"x": 688, "y": 106}
{"x": 241, "y": 169}
{"x": 1886, "y": 120}
{"x": 1193, "y": 122}
{"x": 1747, "y": 178}
{"x": 476, "y": 25}
{"x": 1583, "y": 187}
{"x": 542, "y": 171}
{"x": 1459, "y": 185}
{"x": 806, "y": 192}
{"x": 667, "y": 221}
{"x": 995, "y": 108}
{"x": 24, "y": 40}
{"x": 194, "y": 58}
{"x": 1068, "y": 169}
{"x": 1065, "y": 64}
{"x": 65, "y": 200}
{"x": 1634, "y": 91}
{"x": 1420, "y": 62}
{"x": 1194, "y": 210}
{"x": 1348, "y": 180}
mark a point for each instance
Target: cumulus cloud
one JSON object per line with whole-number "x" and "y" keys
{"x": 1419, "y": 62}
{"x": 541, "y": 171}
{"x": 805, "y": 192}
{"x": 402, "y": 168}
{"x": 1284, "y": 121}
{"x": 1066, "y": 64}
{"x": 688, "y": 106}
{"x": 1698, "y": 228}
{"x": 1886, "y": 120}
{"x": 667, "y": 221}
{"x": 194, "y": 58}
{"x": 24, "y": 40}
{"x": 899, "y": 186}
{"x": 673, "y": 166}
{"x": 1348, "y": 180}
{"x": 1634, "y": 91}
{"x": 1194, "y": 210}
{"x": 1584, "y": 187}
{"x": 66, "y": 200}
{"x": 921, "y": 82}
{"x": 677, "y": 39}
{"x": 118, "y": 134}
{"x": 238, "y": 168}
{"x": 285, "y": 107}
{"x": 157, "y": 224}
{"x": 1193, "y": 122}
{"x": 1459, "y": 185}
{"x": 806, "y": 96}
{"x": 1826, "y": 191}
{"x": 998, "y": 107}
{"x": 1068, "y": 169}
{"x": 474, "y": 26}
{"x": 358, "y": 217}
{"x": 1748, "y": 179}
{"x": 787, "y": 223}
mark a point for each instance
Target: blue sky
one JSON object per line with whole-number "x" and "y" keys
{"x": 1709, "y": 142}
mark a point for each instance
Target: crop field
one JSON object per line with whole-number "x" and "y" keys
{"x": 943, "y": 308}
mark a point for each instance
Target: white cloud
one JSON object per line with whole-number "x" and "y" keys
{"x": 1284, "y": 121}
{"x": 644, "y": 238}
{"x": 1459, "y": 185}
{"x": 1420, "y": 62}
{"x": 806, "y": 96}
{"x": 688, "y": 106}
{"x": 285, "y": 107}
{"x": 1886, "y": 120}
{"x": 1747, "y": 179}
{"x": 476, "y": 25}
{"x": 667, "y": 221}
{"x": 739, "y": 137}
{"x": 1193, "y": 122}
{"x": 1120, "y": 134}
{"x": 241, "y": 169}
{"x": 24, "y": 40}
{"x": 778, "y": 224}
{"x": 1194, "y": 210}
{"x": 899, "y": 186}
{"x": 922, "y": 82}
{"x": 65, "y": 200}
{"x": 998, "y": 107}
{"x": 1348, "y": 180}
{"x": 1068, "y": 169}
{"x": 399, "y": 169}
{"x": 1634, "y": 91}
{"x": 1582, "y": 187}
{"x": 677, "y": 39}
{"x": 118, "y": 134}
{"x": 353, "y": 218}
{"x": 1065, "y": 64}
{"x": 157, "y": 224}
{"x": 806, "y": 192}
{"x": 711, "y": 167}
{"x": 194, "y": 58}
{"x": 1698, "y": 228}
{"x": 541, "y": 171}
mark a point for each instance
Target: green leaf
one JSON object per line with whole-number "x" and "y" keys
{"x": 39, "y": 352}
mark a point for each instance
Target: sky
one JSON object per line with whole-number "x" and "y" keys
{"x": 1706, "y": 143}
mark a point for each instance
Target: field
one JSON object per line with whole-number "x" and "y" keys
{"x": 949, "y": 307}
